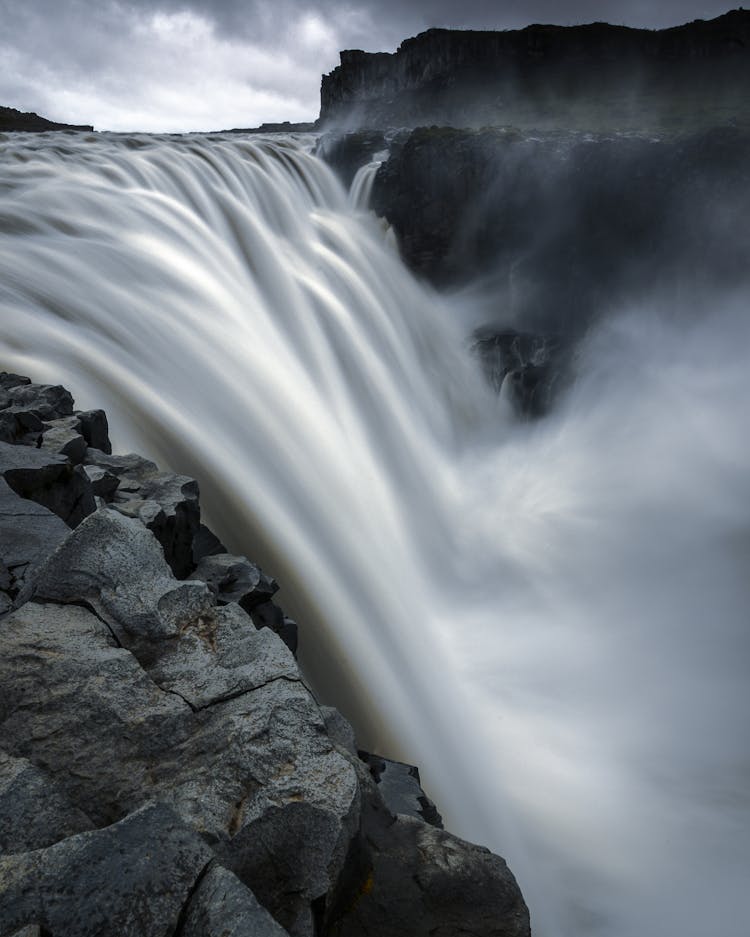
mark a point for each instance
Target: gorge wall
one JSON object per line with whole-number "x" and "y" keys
{"x": 14, "y": 120}
{"x": 594, "y": 76}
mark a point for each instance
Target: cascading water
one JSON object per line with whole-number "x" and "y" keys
{"x": 550, "y": 617}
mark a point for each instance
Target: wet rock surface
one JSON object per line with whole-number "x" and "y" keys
{"x": 164, "y": 768}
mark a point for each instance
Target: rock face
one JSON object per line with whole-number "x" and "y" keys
{"x": 11, "y": 119}
{"x": 591, "y": 77}
{"x": 164, "y": 767}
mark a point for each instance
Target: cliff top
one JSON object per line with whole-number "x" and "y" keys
{"x": 14, "y": 120}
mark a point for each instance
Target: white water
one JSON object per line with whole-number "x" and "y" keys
{"x": 551, "y": 618}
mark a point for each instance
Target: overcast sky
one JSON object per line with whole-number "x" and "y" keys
{"x": 212, "y": 64}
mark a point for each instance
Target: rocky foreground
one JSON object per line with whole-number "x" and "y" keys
{"x": 164, "y": 767}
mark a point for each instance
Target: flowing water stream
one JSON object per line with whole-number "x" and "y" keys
{"x": 550, "y": 618}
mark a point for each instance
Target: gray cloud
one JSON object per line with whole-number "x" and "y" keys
{"x": 207, "y": 64}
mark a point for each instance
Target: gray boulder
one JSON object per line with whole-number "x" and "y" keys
{"x": 33, "y": 811}
{"x": 418, "y": 880}
{"x": 28, "y": 534}
{"x": 49, "y": 479}
{"x": 64, "y": 437}
{"x": 400, "y": 787}
{"x": 49, "y": 402}
{"x": 223, "y": 907}
{"x": 95, "y": 429}
{"x": 114, "y": 564}
{"x": 131, "y": 879}
{"x": 236, "y": 579}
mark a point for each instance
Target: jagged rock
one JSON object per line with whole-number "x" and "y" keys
{"x": 401, "y": 789}
{"x": 27, "y": 121}
{"x": 95, "y": 429}
{"x": 103, "y": 483}
{"x": 168, "y": 505}
{"x": 131, "y": 879}
{"x": 206, "y": 543}
{"x": 256, "y": 769}
{"x": 114, "y": 564}
{"x": 347, "y": 152}
{"x": 64, "y": 437}
{"x": 223, "y": 907}
{"x": 28, "y": 534}
{"x": 48, "y": 401}
{"x": 8, "y": 379}
{"x": 132, "y": 466}
{"x": 339, "y": 729}
{"x": 421, "y": 881}
{"x": 33, "y": 812}
{"x": 269, "y": 615}
{"x": 236, "y": 579}
{"x": 48, "y": 479}
{"x": 32, "y": 930}
{"x": 219, "y": 655}
{"x": 589, "y": 76}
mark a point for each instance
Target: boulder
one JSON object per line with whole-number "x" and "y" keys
{"x": 401, "y": 789}
{"x": 418, "y": 880}
{"x": 223, "y": 907}
{"x": 95, "y": 429}
{"x": 236, "y": 579}
{"x": 34, "y": 812}
{"x": 64, "y": 437}
{"x": 48, "y": 479}
{"x": 169, "y": 506}
{"x": 206, "y": 543}
{"x": 28, "y": 534}
{"x": 131, "y": 879}
{"x": 48, "y": 401}
{"x": 269, "y": 615}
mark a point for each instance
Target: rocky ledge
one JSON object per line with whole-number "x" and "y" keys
{"x": 12, "y": 120}
{"x": 164, "y": 767}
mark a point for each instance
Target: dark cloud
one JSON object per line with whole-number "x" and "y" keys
{"x": 199, "y": 64}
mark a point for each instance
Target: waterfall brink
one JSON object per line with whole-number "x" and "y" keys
{"x": 550, "y": 618}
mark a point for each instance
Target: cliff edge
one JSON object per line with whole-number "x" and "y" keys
{"x": 597, "y": 76}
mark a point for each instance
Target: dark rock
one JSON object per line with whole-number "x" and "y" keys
{"x": 33, "y": 812}
{"x": 269, "y": 615}
{"x": 115, "y": 565}
{"x": 206, "y": 543}
{"x": 421, "y": 881}
{"x": 347, "y": 152}
{"x": 48, "y": 401}
{"x": 64, "y": 437}
{"x": 103, "y": 483}
{"x": 95, "y": 429}
{"x": 530, "y": 368}
{"x": 8, "y": 379}
{"x": 134, "y": 467}
{"x": 339, "y": 729}
{"x": 236, "y": 579}
{"x": 223, "y": 907}
{"x": 561, "y": 228}
{"x": 48, "y": 479}
{"x": 13, "y": 120}
{"x": 131, "y": 879}
{"x": 590, "y": 77}
{"x": 401, "y": 789}
{"x": 28, "y": 534}
{"x": 169, "y": 506}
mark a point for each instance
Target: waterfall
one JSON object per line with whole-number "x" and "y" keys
{"x": 550, "y": 618}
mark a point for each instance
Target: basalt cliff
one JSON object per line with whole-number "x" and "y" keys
{"x": 597, "y": 76}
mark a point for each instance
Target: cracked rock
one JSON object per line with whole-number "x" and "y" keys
{"x": 33, "y": 812}
{"x": 49, "y": 479}
{"x": 236, "y": 579}
{"x": 28, "y": 534}
{"x": 223, "y": 907}
{"x": 131, "y": 879}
